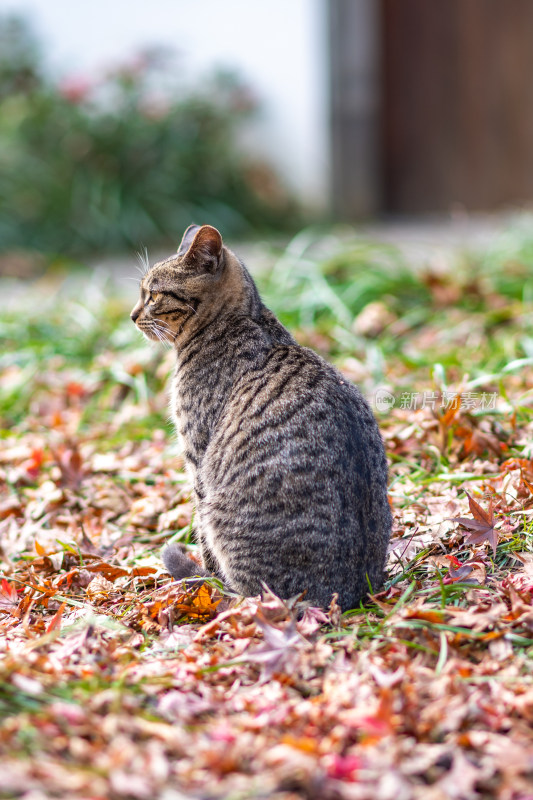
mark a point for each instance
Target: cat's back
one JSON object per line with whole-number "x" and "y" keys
{"x": 292, "y": 404}
{"x": 296, "y": 474}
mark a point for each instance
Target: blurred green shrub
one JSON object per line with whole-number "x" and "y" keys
{"x": 129, "y": 159}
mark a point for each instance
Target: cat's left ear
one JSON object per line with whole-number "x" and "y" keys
{"x": 187, "y": 239}
{"x": 205, "y": 252}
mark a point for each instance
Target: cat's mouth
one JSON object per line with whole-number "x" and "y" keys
{"x": 156, "y": 331}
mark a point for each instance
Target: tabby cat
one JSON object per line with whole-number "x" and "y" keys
{"x": 288, "y": 466}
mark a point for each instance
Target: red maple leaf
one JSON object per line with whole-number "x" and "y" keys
{"x": 482, "y": 526}
{"x": 9, "y": 598}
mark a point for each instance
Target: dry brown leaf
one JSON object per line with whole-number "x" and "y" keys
{"x": 482, "y": 524}
{"x": 99, "y": 589}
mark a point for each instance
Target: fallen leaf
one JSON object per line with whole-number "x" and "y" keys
{"x": 70, "y": 464}
{"x": 55, "y": 622}
{"x": 280, "y": 647}
{"x": 99, "y": 588}
{"x": 460, "y": 781}
{"x": 482, "y": 525}
{"x": 9, "y": 599}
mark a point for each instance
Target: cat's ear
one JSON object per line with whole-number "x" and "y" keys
{"x": 187, "y": 240}
{"x": 205, "y": 251}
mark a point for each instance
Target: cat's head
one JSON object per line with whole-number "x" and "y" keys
{"x": 188, "y": 289}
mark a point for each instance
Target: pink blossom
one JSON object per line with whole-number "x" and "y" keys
{"x": 75, "y": 89}
{"x": 343, "y": 767}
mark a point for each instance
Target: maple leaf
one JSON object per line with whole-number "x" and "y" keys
{"x": 34, "y": 463}
{"x": 9, "y": 598}
{"x": 279, "y": 650}
{"x": 458, "y": 574}
{"x": 482, "y": 526}
{"x": 70, "y": 464}
{"x": 55, "y": 622}
{"x": 200, "y": 603}
{"x": 479, "y": 442}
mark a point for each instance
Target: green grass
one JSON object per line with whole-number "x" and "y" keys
{"x": 479, "y": 312}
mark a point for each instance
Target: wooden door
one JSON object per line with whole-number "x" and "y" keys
{"x": 457, "y": 104}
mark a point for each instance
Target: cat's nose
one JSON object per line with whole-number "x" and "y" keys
{"x": 135, "y": 313}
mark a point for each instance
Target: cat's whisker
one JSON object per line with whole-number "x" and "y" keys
{"x": 144, "y": 261}
{"x": 157, "y": 334}
{"x": 164, "y": 326}
{"x": 160, "y": 333}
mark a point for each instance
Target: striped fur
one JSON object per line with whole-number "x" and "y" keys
{"x": 288, "y": 466}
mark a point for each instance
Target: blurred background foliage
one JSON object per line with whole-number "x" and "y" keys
{"x": 124, "y": 159}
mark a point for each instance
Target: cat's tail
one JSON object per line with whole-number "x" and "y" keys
{"x": 179, "y": 564}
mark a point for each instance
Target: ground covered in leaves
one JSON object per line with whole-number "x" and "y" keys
{"x": 117, "y": 683}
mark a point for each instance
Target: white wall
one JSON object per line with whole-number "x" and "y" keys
{"x": 279, "y": 46}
